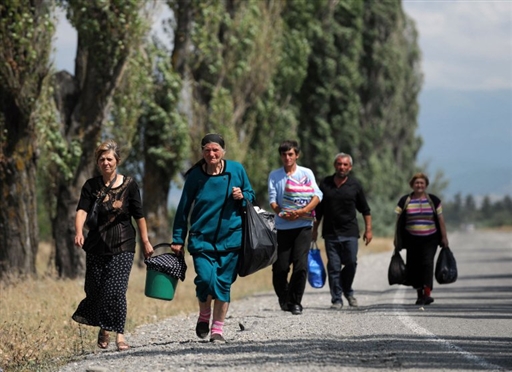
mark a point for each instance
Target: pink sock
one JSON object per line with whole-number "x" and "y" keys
{"x": 217, "y": 327}
{"x": 204, "y": 316}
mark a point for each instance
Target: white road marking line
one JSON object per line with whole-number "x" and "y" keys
{"x": 398, "y": 300}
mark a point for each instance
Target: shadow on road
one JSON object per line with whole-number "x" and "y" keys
{"x": 382, "y": 352}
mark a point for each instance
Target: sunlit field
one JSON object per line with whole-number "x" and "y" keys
{"x": 36, "y": 330}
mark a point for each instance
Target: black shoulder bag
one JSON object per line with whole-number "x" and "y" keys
{"x": 92, "y": 216}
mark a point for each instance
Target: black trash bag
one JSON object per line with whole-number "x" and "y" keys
{"x": 259, "y": 240}
{"x": 397, "y": 271}
{"x": 316, "y": 268}
{"x": 446, "y": 267}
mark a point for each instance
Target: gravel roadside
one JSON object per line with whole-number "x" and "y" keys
{"x": 466, "y": 329}
{"x": 262, "y": 337}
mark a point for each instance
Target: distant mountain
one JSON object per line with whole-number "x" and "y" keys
{"x": 468, "y": 135}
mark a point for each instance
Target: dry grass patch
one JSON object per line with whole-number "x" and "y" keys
{"x": 36, "y": 325}
{"x": 377, "y": 245}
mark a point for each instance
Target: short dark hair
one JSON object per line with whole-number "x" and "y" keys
{"x": 212, "y": 137}
{"x": 289, "y": 145}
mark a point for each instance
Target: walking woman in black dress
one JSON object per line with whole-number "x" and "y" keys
{"x": 110, "y": 246}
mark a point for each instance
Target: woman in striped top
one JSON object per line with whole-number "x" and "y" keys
{"x": 420, "y": 229}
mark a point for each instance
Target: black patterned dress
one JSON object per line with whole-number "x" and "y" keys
{"x": 110, "y": 251}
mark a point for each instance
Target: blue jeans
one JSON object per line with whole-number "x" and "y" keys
{"x": 341, "y": 251}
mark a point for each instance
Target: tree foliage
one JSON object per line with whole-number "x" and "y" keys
{"x": 275, "y": 112}
{"x": 162, "y": 142}
{"x": 110, "y": 33}
{"x": 391, "y": 85}
{"x": 234, "y": 45}
{"x": 359, "y": 97}
{"x": 360, "y": 93}
{"x": 338, "y": 75}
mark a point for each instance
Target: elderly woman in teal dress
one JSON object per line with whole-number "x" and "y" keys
{"x": 214, "y": 192}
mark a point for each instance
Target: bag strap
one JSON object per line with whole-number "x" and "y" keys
{"x": 221, "y": 213}
{"x": 104, "y": 193}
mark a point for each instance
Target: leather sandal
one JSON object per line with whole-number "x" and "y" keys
{"x": 103, "y": 339}
{"x": 122, "y": 346}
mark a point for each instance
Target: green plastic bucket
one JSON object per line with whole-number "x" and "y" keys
{"x": 160, "y": 285}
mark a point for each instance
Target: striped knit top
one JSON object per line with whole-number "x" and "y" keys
{"x": 298, "y": 193}
{"x": 420, "y": 217}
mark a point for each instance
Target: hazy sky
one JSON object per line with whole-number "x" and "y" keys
{"x": 465, "y": 105}
{"x": 466, "y": 45}
{"x": 466, "y": 102}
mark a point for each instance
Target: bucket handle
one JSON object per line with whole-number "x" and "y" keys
{"x": 160, "y": 246}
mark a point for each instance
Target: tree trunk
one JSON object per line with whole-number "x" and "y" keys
{"x": 156, "y": 180}
{"x": 183, "y": 12}
{"x": 25, "y": 44}
{"x": 155, "y": 192}
{"x": 18, "y": 215}
{"x": 69, "y": 260}
{"x": 83, "y": 102}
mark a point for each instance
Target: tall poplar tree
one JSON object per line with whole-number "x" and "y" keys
{"x": 329, "y": 99}
{"x": 276, "y": 112}
{"x": 233, "y": 60}
{"x": 109, "y": 33}
{"x": 389, "y": 108}
{"x": 26, "y": 29}
{"x": 360, "y": 96}
{"x": 162, "y": 141}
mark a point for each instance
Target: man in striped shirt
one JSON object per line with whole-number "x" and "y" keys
{"x": 293, "y": 195}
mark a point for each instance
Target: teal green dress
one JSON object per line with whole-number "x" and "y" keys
{"x": 215, "y": 231}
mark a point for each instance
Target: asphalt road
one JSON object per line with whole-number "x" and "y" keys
{"x": 467, "y": 328}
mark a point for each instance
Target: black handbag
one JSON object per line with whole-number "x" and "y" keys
{"x": 92, "y": 216}
{"x": 259, "y": 241}
{"x": 446, "y": 267}
{"x": 397, "y": 271}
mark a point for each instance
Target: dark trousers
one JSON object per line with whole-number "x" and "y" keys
{"x": 292, "y": 250}
{"x": 341, "y": 252}
{"x": 421, "y": 251}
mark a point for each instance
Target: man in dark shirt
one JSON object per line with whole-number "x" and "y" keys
{"x": 343, "y": 196}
